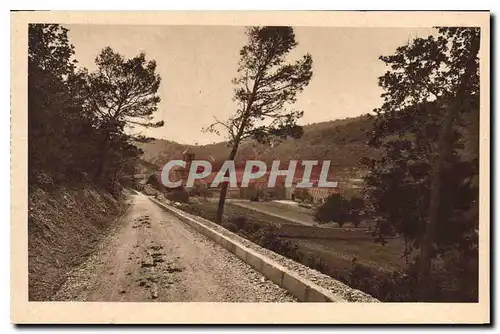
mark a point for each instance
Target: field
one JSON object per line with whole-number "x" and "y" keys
{"x": 346, "y": 254}
{"x": 336, "y": 246}
{"x": 290, "y": 212}
{"x": 339, "y": 254}
{"x": 232, "y": 209}
{"x": 293, "y": 213}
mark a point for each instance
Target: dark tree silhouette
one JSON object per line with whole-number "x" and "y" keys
{"x": 340, "y": 210}
{"x": 122, "y": 93}
{"x": 267, "y": 84}
{"x": 466, "y": 42}
{"x": 55, "y": 114}
{"x": 422, "y": 188}
{"x": 76, "y": 120}
{"x": 124, "y": 90}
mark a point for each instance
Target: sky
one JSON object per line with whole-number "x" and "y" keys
{"x": 197, "y": 64}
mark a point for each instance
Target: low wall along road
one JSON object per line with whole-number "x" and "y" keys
{"x": 304, "y": 283}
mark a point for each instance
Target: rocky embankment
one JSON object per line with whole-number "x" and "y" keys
{"x": 64, "y": 226}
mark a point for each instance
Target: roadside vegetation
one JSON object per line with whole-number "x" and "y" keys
{"x": 77, "y": 119}
{"x": 420, "y": 150}
{"x": 341, "y": 210}
{"x": 353, "y": 268}
{"x": 80, "y": 156}
{"x": 422, "y": 188}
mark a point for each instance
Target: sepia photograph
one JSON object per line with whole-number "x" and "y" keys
{"x": 251, "y": 161}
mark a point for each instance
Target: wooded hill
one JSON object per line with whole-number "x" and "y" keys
{"x": 341, "y": 141}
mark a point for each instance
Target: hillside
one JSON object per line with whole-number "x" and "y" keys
{"x": 341, "y": 141}
{"x": 65, "y": 225}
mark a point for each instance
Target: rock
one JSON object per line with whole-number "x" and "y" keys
{"x": 154, "y": 293}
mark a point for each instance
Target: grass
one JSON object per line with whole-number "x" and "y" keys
{"x": 337, "y": 254}
{"x": 287, "y": 211}
{"x": 231, "y": 210}
{"x": 351, "y": 257}
{"x": 361, "y": 263}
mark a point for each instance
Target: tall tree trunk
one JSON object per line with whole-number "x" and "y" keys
{"x": 232, "y": 155}
{"x": 445, "y": 145}
{"x": 223, "y": 190}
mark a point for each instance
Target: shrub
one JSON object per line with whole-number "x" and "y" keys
{"x": 267, "y": 237}
{"x": 341, "y": 210}
{"x": 315, "y": 262}
{"x": 239, "y": 221}
{"x": 45, "y": 181}
{"x": 360, "y": 275}
{"x": 230, "y": 227}
{"x": 178, "y": 195}
{"x": 200, "y": 190}
{"x": 303, "y": 195}
{"x": 457, "y": 276}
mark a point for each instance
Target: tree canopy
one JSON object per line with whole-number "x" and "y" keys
{"x": 431, "y": 82}
{"x": 124, "y": 90}
{"x": 77, "y": 120}
{"x": 340, "y": 210}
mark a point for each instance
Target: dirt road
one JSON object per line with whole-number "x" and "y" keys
{"x": 153, "y": 256}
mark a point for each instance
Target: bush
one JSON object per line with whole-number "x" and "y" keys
{"x": 303, "y": 195}
{"x": 200, "y": 190}
{"x": 341, "y": 210}
{"x": 239, "y": 221}
{"x": 457, "y": 276}
{"x": 267, "y": 237}
{"x": 396, "y": 286}
{"x": 230, "y": 227}
{"x": 178, "y": 195}
{"x": 315, "y": 262}
{"x": 45, "y": 181}
{"x": 360, "y": 275}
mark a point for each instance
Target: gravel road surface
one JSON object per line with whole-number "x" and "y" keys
{"x": 153, "y": 256}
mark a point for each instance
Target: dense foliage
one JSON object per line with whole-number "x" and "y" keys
{"x": 344, "y": 141}
{"x": 303, "y": 195}
{"x": 76, "y": 119}
{"x": 340, "y": 210}
{"x": 425, "y": 80}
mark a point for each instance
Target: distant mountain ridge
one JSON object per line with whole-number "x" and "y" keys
{"x": 343, "y": 142}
